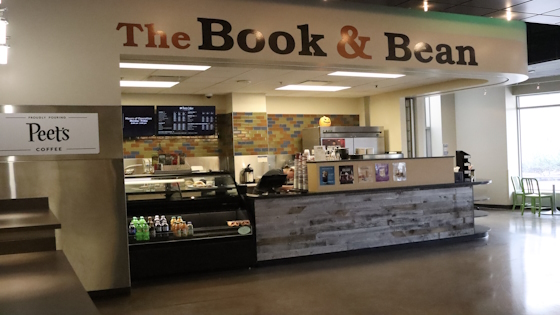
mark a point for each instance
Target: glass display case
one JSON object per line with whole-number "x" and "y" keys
{"x": 187, "y": 222}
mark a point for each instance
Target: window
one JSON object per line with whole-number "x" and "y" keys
{"x": 539, "y": 136}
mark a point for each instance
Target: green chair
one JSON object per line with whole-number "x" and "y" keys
{"x": 532, "y": 191}
{"x": 517, "y": 192}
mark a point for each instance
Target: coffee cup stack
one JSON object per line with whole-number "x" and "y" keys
{"x": 297, "y": 171}
{"x": 304, "y": 158}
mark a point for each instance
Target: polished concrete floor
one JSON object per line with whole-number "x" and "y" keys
{"x": 515, "y": 271}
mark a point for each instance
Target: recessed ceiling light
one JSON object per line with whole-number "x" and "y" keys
{"x": 158, "y": 66}
{"x": 318, "y": 88}
{"x": 148, "y": 84}
{"x": 366, "y": 74}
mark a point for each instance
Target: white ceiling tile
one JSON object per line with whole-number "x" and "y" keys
{"x": 514, "y": 15}
{"x": 136, "y": 72}
{"x": 175, "y": 73}
{"x": 554, "y": 13}
{"x": 205, "y": 80}
{"x": 543, "y": 19}
{"x": 537, "y": 6}
{"x": 261, "y": 74}
{"x": 223, "y": 72}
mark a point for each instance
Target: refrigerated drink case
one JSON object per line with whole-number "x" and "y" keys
{"x": 346, "y": 137}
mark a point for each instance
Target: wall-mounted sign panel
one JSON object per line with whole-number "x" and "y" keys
{"x": 329, "y": 35}
{"x": 49, "y": 134}
{"x": 186, "y": 120}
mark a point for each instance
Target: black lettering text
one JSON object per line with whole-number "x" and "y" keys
{"x": 308, "y": 43}
{"x": 461, "y": 50}
{"x": 208, "y": 34}
{"x": 445, "y": 54}
{"x": 273, "y": 43}
{"x": 423, "y": 48}
{"x": 242, "y": 41}
{"x": 393, "y": 46}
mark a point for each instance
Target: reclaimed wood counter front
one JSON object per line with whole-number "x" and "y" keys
{"x": 309, "y": 224}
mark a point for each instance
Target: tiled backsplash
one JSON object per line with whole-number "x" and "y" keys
{"x": 284, "y": 130}
{"x": 191, "y": 146}
{"x": 240, "y": 134}
{"x": 249, "y": 134}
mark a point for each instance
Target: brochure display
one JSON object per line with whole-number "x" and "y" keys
{"x": 345, "y": 175}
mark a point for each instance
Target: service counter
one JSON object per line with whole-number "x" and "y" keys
{"x": 391, "y": 213}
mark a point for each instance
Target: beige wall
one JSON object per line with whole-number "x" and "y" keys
{"x": 314, "y": 105}
{"x": 219, "y": 101}
{"x": 248, "y": 103}
{"x": 448, "y": 123}
{"x": 482, "y": 132}
{"x": 385, "y": 109}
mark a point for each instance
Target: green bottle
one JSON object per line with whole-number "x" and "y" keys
{"x": 135, "y": 222}
{"x": 145, "y": 232}
{"x": 139, "y": 233}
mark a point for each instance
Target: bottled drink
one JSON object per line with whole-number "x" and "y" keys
{"x": 139, "y": 233}
{"x": 180, "y": 219}
{"x": 131, "y": 228}
{"x": 157, "y": 225}
{"x": 184, "y": 231}
{"x": 145, "y": 232}
{"x": 142, "y": 220}
{"x": 150, "y": 219}
{"x": 190, "y": 229}
{"x": 136, "y": 222}
{"x": 152, "y": 231}
{"x": 164, "y": 227}
{"x": 173, "y": 220}
{"x": 156, "y": 218}
{"x": 177, "y": 229}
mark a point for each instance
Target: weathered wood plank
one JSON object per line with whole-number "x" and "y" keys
{"x": 314, "y": 224}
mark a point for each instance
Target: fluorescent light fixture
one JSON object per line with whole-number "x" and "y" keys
{"x": 11, "y": 158}
{"x": 3, "y": 54}
{"x": 157, "y": 66}
{"x": 425, "y": 6}
{"x": 3, "y": 26}
{"x": 508, "y": 14}
{"x": 148, "y": 84}
{"x": 366, "y": 74}
{"x": 318, "y": 88}
{"x": 8, "y": 109}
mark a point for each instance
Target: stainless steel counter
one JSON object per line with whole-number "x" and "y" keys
{"x": 41, "y": 283}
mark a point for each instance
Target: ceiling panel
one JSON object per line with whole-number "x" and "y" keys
{"x": 419, "y": 4}
{"x": 514, "y": 15}
{"x": 135, "y": 74}
{"x": 493, "y": 4}
{"x": 537, "y": 6}
{"x": 460, "y": 9}
{"x": 543, "y": 19}
{"x": 207, "y": 80}
{"x": 261, "y": 74}
{"x": 554, "y": 13}
{"x": 141, "y": 90}
{"x": 223, "y": 72}
{"x": 181, "y": 73}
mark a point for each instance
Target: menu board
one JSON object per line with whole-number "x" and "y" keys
{"x": 138, "y": 121}
{"x": 186, "y": 120}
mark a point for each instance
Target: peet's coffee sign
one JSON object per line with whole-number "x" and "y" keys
{"x": 48, "y": 134}
{"x": 352, "y": 43}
